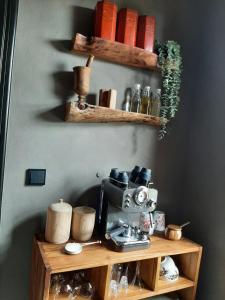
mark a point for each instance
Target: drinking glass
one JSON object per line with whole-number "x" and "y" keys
{"x": 137, "y": 281}
{"x": 56, "y": 284}
{"x": 124, "y": 284}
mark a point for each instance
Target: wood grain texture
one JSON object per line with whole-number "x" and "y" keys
{"x": 99, "y": 278}
{"x": 40, "y": 275}
{"x": 98, "y": 255}
{"x": 189, "y": 265}
{"x": 115, "y": 52}
{"x": 99, "y": 114}
{"x": 150, "y": 272}
{"x": 98, "y": 260}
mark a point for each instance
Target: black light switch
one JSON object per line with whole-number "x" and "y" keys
{"x": 35, "y": 176}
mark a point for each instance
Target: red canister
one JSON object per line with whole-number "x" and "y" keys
{"x": 146, "y": 32}
{"x": 127, "y": 26}
{"x": 105, "y": 20}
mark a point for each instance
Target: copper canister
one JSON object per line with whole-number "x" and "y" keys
{"x": 105, "y": 20}
{"x": 127, "y": 26}
{"x": 146, "y": 32}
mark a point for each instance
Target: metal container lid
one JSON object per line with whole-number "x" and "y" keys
{"x": 61, "y": 206}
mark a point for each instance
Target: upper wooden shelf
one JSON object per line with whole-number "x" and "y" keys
{"x": 99, "y": 114}
{"x": 115, "y": 52}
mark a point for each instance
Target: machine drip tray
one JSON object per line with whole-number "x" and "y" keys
{"x": 127, "y": 246}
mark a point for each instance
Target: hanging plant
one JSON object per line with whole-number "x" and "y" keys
{"x": 170, "y": 62}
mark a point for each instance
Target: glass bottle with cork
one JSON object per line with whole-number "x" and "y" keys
{"x": 126, "y": 106}
{"x": 145, "y": 100}
{"x": 156, "y": 103}
{"x": 136, "y": 99}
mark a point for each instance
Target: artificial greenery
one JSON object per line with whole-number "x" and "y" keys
{"x": 170, "y": 61}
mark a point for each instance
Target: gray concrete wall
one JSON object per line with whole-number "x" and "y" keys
{"x": 38, "y": 138}
{"x": 204, "y": 189}
{"x": 198, "y": 194}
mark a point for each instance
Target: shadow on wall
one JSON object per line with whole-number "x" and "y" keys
{"x": 17, "y": 262}
{"x": 91, "y": 197}
{"x": 83, "y": 20}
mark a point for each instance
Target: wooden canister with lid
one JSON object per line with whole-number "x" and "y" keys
{"x": 173, "y": 232}
{"x": 58, "y": 223}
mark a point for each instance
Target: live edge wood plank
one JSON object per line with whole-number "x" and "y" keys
{"x": 115, "y": 52}
{"x": 99, "y": 114}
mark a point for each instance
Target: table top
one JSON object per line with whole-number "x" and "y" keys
{"x": 96, "y": 255}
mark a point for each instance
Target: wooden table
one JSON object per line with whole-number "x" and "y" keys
{"x": 48, "y": 259}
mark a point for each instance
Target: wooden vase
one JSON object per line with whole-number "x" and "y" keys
{"x": 83, "y": 223}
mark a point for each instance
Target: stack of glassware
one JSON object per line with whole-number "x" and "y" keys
{"x": 125, "y": 277}
{"x": 71, "y": 285}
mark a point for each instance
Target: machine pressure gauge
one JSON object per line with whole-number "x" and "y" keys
{"x": 141, "y": 195}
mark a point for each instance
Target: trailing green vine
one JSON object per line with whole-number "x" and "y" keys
{"x": 170, "y": 61}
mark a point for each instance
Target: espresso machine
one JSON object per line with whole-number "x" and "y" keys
{"x": 124, "y": 205}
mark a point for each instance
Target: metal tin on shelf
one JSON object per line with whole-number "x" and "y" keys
{"x": 146, "y": 32}
{"x": 127, "y": 26}
{"x": 105, "y": 20}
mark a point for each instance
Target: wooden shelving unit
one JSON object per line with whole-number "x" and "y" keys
{"x": 115, "y": 52}
{"x": 98, "y": 114}
{"x": 48, "y": 259}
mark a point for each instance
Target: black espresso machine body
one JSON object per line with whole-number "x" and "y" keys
{"x": 121, "y": 212}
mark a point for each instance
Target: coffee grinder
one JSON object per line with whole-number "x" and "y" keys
{"x": 123, "y": 205}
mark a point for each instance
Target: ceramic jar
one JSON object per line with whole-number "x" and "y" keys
{"x": 168, "y": 269}
{"x": 58, "y": 223}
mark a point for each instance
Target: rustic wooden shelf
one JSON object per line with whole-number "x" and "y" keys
{"x": 115, "y": 52}
{"x": 99, "y": 114}
{"x": 97, "y": 260}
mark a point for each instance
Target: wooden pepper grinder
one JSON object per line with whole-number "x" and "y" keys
{"x": 82, "y": 81}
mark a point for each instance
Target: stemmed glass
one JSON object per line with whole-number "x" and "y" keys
{"x": 137, "y": 281}
{"x": 56, "y": 285}
{"x": 71, "y": 285}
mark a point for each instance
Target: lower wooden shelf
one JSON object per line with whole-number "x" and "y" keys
{"x": 99, "y": 114}
{"x": 133, "y": 293}
{"x": 97, "y": 261}
{"x": 181, "y": 283}
{"x": 64, "y": 297}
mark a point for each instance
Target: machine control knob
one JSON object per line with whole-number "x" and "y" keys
{"x": 127, "y": 201}
{"x": 127, "y": 205}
